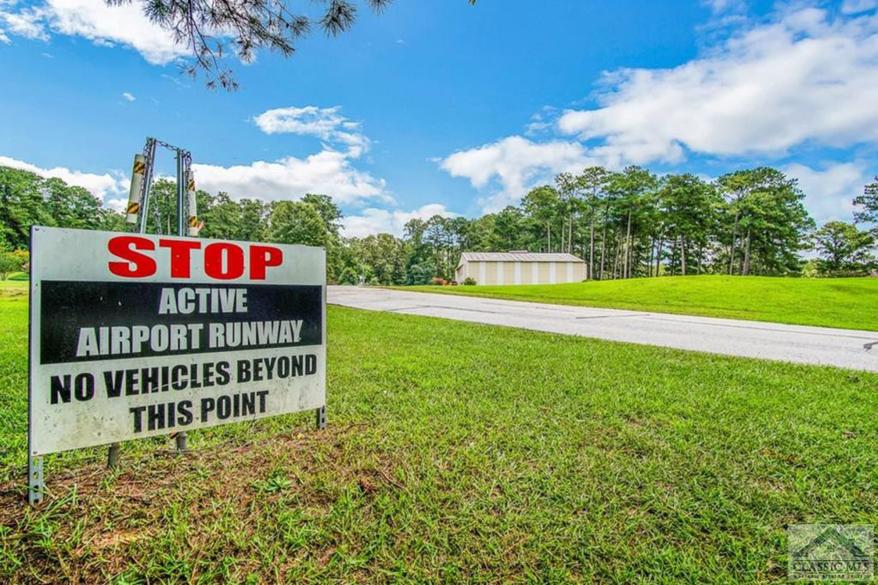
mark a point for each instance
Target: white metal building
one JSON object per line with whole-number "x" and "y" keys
{"x": 519, "y": 267}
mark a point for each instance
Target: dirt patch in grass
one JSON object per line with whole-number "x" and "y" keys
{"x": 97, "y": 525}
{"x": 10, "y": 289}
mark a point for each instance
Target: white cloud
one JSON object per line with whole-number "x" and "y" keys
{"x": 324, "y": 123}
{"x": 516, "y": 164}
{"x": 858, "y": 6}
{"x": 720, "y": 6}
{"x": 123, "y": 24}
{"x": 376, "y": 221}
{"x": 27, "y": 23}
{"x": 117, "y": 204}
{"x": 830, "y": 190}
{"x": 288, "y": 178}
{"x": 99, "y": 185}
{"x": 328, "y": 172}
{"x": 129, "y": 97}
{"x": 804, "y": 78}
{"x": 542, "y": 122}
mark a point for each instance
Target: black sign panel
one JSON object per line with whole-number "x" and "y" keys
{"x": 123, "y": 319}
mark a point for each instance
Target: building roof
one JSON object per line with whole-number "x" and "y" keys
{"x": 517, "y": 257}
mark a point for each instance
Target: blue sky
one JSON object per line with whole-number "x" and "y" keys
{"x": 440, "y": 107}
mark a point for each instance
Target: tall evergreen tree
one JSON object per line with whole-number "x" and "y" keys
{"x": 867, "y": 206}
{"x": 844, "y": 248}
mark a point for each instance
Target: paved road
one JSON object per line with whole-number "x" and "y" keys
{"x": 794, "y": 343}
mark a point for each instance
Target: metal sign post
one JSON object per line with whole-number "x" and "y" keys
{"x": 36, "y": 485}
{"x": 142, "y": 193}
{"x": 149, "y": 154}
{"x": 183, "y": 161}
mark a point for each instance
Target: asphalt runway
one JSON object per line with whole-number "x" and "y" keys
{"x": 755, "y": 339}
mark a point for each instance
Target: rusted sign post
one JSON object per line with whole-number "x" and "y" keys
{"x": 136, "y": 335}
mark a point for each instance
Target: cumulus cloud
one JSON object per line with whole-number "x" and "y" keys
{"x": 101, "y": 186}
{"x": 376, "y": 221}
{"x": 128, "y": 97}
{"x": 324, "y": 123}
{"x": 804, "y": 78}
{"x": 123, "y": 24}
{"x": 830, "y": 190}
{"x": 515, "y": 164}
{"x": 327, "y": 172}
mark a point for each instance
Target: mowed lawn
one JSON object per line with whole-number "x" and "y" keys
{"x": 848, "y": 303}
{"x": 461, "y": 452}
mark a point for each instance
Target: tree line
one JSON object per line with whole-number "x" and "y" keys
{"x": 626, "y": 224}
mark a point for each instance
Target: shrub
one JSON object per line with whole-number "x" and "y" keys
{"x": 11, "y": 262}
{"x": 23, "y": 258}
{"x": 349, "y": 276}
{"x": 421, "y": 273}
{"x": 811, "y": 269}
{"x": 469, "y": 281}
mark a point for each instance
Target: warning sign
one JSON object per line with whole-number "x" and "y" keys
{"x": 133, "y": 335}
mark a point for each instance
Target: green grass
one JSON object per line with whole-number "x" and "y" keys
{"x": 13, "y": 371}
{"x": 848, "y": 303}
{"x": 460, "y": 452}
{"x": 10, "y": 287}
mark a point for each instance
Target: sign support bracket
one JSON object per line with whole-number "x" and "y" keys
{"x": 113, "y": 455}
{"x": 36, "y": 484}
{"x": 184, "y": 162}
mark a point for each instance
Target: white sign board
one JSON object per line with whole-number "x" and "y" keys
{"x": 133, "y": 336}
